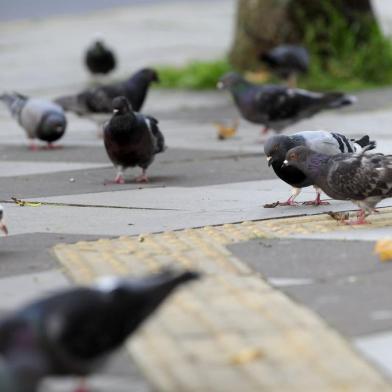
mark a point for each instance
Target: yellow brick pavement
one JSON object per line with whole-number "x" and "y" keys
{"x": 231, "y": 331}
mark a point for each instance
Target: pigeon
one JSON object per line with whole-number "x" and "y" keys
{"x": 329, "y": 143}
{"x": 275, "y": 106}
{"x": 73, "y": 332}
{"x": 131, "y": 139}
{"x": 100, "y": 59}
{"x": 40, "y": 118}
{"x": 3, "y": 226}
{"x": 287, "y": 61}
{"x": 99, "y": 99}
{"x": 365, "y": 179}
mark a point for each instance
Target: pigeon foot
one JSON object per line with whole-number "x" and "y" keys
{"x": 264, "y": 130}
{"x": 33, "y": 147}
{"x": 142, "y": 178}
{"x": 82, "y": 387}
{"x": 119, "y": 180}
{"x": 51, "y": 146}
{"x": 361, "y": 219}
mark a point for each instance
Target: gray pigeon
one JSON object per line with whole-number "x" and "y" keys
{"x": 3, "y": 226}
{"x": 40, "y": 118}
{"x": 73, "y": 332}
{"x": 329, "y": 143}
{"x": 131, "y": 139}
{"x": 277, "y": 107}
{"x": 287, "y": 61}
{"x": 99, "y": 99}
{"x": 365, "y": 179}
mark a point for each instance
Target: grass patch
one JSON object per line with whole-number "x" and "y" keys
{"x": 344, "y": 57}
{"x": 197, "y": 75}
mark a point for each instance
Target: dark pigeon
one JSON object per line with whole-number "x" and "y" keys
{"x": 99, "y": 99}
{"x": 100, "y": 59}
{"x": 40, "y": 118}
{"x": 73, "y": 332}
{"x": 131, "y": 139}
{"x": 3, "y": 226}
{"x": 329, "y": 143}
{"x": 277, "y": 107}
{"x": 365, "y": 179}
{"x": 287, "y": 61}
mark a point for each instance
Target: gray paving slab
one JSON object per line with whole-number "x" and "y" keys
{"x": 341, "y": 280}
{"x": 31, "y": 253}
{"x": 377, "y": 348}
{"x": 159, "y": 209}
{"x": 312, "y": 260}
{"x": 173, "y": 168}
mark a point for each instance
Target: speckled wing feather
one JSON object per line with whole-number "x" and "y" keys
{"x": 361, "y": 176}
{"x": 152, "y": 124}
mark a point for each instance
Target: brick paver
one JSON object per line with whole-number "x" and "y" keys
{"x": 231, "y": 331}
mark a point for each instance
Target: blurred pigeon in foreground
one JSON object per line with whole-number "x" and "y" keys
{"x": 328, "y": 143}
{"x": 73, "y": 332}
{"x": 131, "y": 139}
{"x": 40, "y": 118}
{"x": 99, "y": 99}
{"x": 287, "y": 61}
{"x": 3, "y": 226}
{"x": 277, "y": 107}
{"x": 99, "y": 59}
{"x": 363, "y": 179}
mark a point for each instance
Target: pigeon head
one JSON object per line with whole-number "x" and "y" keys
{"x": 52, "y": 127}
{"x": 3, "y": 226}
{"x": 140, "y": 298}
{"x": 229, "y": 80}
{"x": 148, "y": 74}
{"x": 121, "y": 105}
{"x": 309, "y": 162}
{"x": 276, "y": 147}
{"x": 99, "y": 45}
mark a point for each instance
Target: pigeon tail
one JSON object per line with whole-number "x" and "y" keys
{"x": 268, "y": 59}
{"x": 365, "y": 141}
{"x": 338, "y": 100}
{"x": 15, "y": 102}
{"x": 69, "y": 103}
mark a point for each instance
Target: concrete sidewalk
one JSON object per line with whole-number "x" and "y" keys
{"x": 276, "y": 309}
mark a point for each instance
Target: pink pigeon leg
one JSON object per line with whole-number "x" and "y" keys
{"x": 33, "y": 146}
{"x": 290, "y": 201}
{"x": 119, "y": 177}
{"x": 317, "y": 201}
{"x": 82, "y": 387}
{"x": 143, "y": 177}
{"x": 264, "y": 130}
{"x": 52, "y": 146}
{"x": 361, "y": 219}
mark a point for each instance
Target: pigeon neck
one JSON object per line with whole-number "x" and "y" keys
{"x": 316, "y": 167}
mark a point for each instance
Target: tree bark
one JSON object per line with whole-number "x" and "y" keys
{"x": 263, "y": 24}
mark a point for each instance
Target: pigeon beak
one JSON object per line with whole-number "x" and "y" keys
{"x": 220, "y": 85}
{"x": 3, "y": 227}
{"x": 115, "y": 111}
{"x": 269, "y": 160}
{"x": 285, "y": 163}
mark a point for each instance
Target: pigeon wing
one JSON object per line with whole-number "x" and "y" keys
{"x": 361, "y": 176}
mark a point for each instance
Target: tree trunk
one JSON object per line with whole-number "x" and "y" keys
{"x": 263, "y": 24}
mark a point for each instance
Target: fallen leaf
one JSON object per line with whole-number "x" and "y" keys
{"x": 245, "y": 356}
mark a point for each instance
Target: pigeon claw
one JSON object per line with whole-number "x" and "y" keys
{"x": 142, "y": 178}
{"x": 119, "y": 180}
{"x": 361, "y": 219}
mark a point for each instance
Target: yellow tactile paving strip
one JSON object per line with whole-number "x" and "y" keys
{"x": 231, "y": 331}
